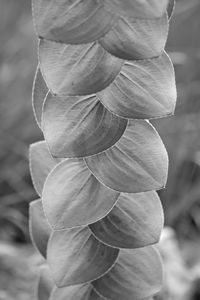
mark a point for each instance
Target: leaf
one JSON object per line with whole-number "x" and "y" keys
{"x": 41, "y": 163}
{"x": 135, "y": 221}
{"x": 79, "y": 126}
{"x": 137, "y": 8}
{"x": 77, "y": 69}
{"x": 77, "y": 292}
{"x": 133, "y": 38}
{"x": 144, "y": 89}
{"x": 45, "y": 284}
{"x": 39, "y": 228}
{"x": 72, "y": 22}
{"x": 75, "y": 256}
{"x": 138, "y": 162}
{"x": 170, "y": 8}
{"x": 40, "y": 91}
{"x": 136, "y": 275}
{"x": 72, "y": 196}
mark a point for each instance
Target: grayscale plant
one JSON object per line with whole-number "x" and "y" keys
{"x": 102, "y": 74}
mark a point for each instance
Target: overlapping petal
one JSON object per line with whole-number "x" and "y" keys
{"x": 133, "y": 38}
{"x": 75, "y": 256}
{"x": 45, "y": 283}
{"x": 136, "y": 275}
{"x": 72, "y": 22}
{"x": 79, "y": 126}
{"x": 72, "y": 196}
{"x": 138, "y": 162}
{"x": 39, "y": 228}
{"x": 77, "y": 69}
{"x": 135, "y": 221}
{"x": 137, "y": 8}
{"x": 102, "y": 63}
{"x": 40, "y": 91}
{"x": 144, "y": 89}
{"x": 41, "y": 163}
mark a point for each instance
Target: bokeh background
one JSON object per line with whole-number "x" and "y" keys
{"x": 180, "y": 244}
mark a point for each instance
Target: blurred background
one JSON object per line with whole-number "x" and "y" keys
{"x": 180, "y": 243}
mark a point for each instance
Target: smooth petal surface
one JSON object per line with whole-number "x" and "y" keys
{"x": 135, "y": 221}
{"x": 137, "y": 8}
{"x": 45, "y": 284}
{"x": 79, "y": 126}
{"x": 72, "y": 22}
{"x": 144, "y": 89}
{"x": 40, "y": 91}
{"x": 138, "y": 162}
{"x": 77, "y": 69}
{"x": 133, "y": 38}
{"x": 76, "y": 292}
{"x": 39, "y": 228}
{"x": 41, "y": 163}
{"x": 136, "y": 275}
{"x": 72, "y": 196}
{"x": 75, "y": 256}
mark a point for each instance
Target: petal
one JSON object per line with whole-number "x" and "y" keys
{"x": 39, "y": 228}
{"x": 41, "y": 163}
{"x": 75, "y": 256}
{"x": 45, "y": 284}
{"x": 138, "y": 162}
{"x": 79, "y": 126}
{"x": 136, "y": 275}
{"x": 135, "y": 221}
{"x": 133, "y": 38}
{"x": 72, "y": 196}
{"x": 72, "y": 22}
{"x": 75, "y": 292}
{"x": 137, "y": 8}
{"x": 77, "y": 69}
{"x": 40, "y": 91}
{"x": 144, "y": 89}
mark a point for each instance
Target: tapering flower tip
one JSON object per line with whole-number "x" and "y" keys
{"x": 72, "y": 196}
{"x": 79, "y": 126}
{"x": 69, "y": 265}
{"x": 72, "y": 22}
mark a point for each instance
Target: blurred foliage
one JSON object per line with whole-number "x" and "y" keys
{"x": 17, "y": 126}
{"x": 181, "y": 134}
{"x": 18, "y": 272}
